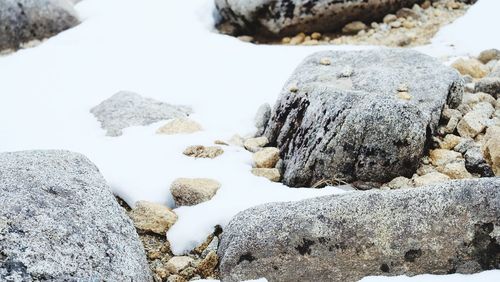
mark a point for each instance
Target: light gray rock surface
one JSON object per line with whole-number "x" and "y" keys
{"x": 446, "y": 228}
{"x": 59, "y": 221}
{"x": 289, "y": 17}
{"x": 262, "y": 118}
{"x": 24, "y": 20}
{"x": 366, "y": 116}
{"x": 490, "y": 85}
{"x": 125, "y": 109}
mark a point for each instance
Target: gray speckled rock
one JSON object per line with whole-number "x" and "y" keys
{"x": 289, "y": 17}
{"x": 126, "y": 109}
{"x": 262, "y": 118}
{"x": 446, "y": 228}
{"x": 360, "y": 115}
{"x": 25, "y": 20}
{"x": 59, "y": 221}
{"x": 490, "y": 85}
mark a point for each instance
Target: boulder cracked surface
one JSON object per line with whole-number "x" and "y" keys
{"x": 24, "y": 20}
{"x": 59, "y": 221}
{"x": 445, "y": 228}
{"x": 347, "y": 119}
{"x": 289, "y": 17}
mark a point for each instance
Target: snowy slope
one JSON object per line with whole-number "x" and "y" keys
{"x": 167, "y": 50}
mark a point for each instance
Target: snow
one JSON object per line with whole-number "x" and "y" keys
{"x": 486, "y": 276}
{"x": 168, "y": 50}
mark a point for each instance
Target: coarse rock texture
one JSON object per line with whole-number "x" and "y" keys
{"x": 471, "y": 66}
{"x": 490, "y": 85}
{"x": 255, "y": 144}
{"x": 272, "y": 174}
{"x": 22, "y": 21}
{"x": 266, "y": 158}
{"x": 408, "y": 27}
{"x": 199, "y": 151}
{"x": 152, "y": 217}
{"x": 487, "y": 55}
{"x": 445, "y": 228}
{"x": 59, "y": 221}
{"x": 125, "y": 109}
{"x": 289, "y": 17}
{"x": 193, "y": 191}
{"x": 180, "y": 126}
{"x": 492, "y": 148}
{"x": 262, "y": 118}
{"x": 346, "y": 120}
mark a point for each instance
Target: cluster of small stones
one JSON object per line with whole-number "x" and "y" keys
{"x": 408, "y": 27}
{"x": 468, "y": 140}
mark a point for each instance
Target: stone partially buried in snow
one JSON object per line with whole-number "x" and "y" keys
{"x": 62, "y": 223}
{"x": 193, "y": 191}
{"x": 446, "y": 228}
{"x": 290, "y": 17}
{"x": 125, "y": 109}
{"x": 347, "y": 121}
{"x": 22, "y": 21}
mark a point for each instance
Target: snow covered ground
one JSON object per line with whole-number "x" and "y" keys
{"x": 167, "y": 50}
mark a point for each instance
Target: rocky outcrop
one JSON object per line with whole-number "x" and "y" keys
{"x": 59, "y": 221}
{"x": 446, "y": 228}
{"x": 360, "y": 115}
{"x": 289, "y": 17}
{"x": 22, "y": 21}
{"x": 125, "y": 109}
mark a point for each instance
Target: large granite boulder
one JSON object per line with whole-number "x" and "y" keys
{"x": 289, "y": 17}
{"x": 25, "y": 20}
{"x": 59, "y": 221}
{"x": 360, "y": 115}
{"x": 446, "y": 228}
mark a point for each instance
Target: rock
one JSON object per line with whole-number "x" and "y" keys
{"x": 399, "y": 182}
{"x": 464, "y": 145}
{"x": 237, "y": 140}
{"x": 354, "y": 27}
{"x": 200, "y": 151}
{"x": 213, "y": 246}
{"x": 492, "y": 148}
{"x": 471, "y": 67}
{"x": 472, "y": 124}
{"x": 450, "y": 141}
{"x": 180, "y": 126}
{"x": 61, "y": 222}
{"x": 488, "y": 55}
{"x": 430, "y": 178}
{"x": 262, "y": 118}
{"x": 495, "y": 72}
{"x": 272, "y": 174}
{"x": 177, "y": 264}
{"x": 389, "y": 18}
{"x": 356, "y": 128}
{"x": 22, "y": 21}
{"x": 266, "y": 158}
{"x": 208, "y": 265}
{"x": 407, "y": 13}
{"x": 193, "y": 191}
{"x": 255, "y": 144}
{"x": 400, "y": 232}
{"x": 455, "y": 170}
{"x": 279, "y": 18}
{"x": 476, "y": 98}
{"x": 475, "y": 163}
{"x": 490, "y": 85}
{"x": 125, "y": 109}
{"x": 152, "y": 217}
{"x": 176, "y": 278}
